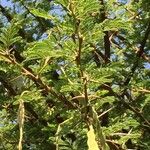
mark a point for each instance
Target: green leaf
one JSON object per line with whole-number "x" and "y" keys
{"x": 9, "y": 36}
{"x": 41, "y": 13}
{"x": 116, "y": 25}
{"x": 42, "y": 49}
{"x": 125, "y": 138}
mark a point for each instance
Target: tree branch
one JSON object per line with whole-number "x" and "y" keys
{"x": 139, "y": 55}
{"x": 106, "y": 37}
{"x": 127, "y": 105}
{"x": 28, "y": 106}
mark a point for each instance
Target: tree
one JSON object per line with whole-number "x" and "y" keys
{"x": 75, "y": 75}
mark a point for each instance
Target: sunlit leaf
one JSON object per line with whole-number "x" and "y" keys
{"x": 92, "y": 143}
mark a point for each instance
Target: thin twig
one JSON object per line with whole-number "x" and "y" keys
{"x": 106, "y": 111}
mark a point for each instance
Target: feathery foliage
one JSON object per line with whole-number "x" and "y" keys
{"x": 74, "y": 75}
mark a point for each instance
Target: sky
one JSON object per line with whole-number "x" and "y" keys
{"x": 6, "y": 3}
